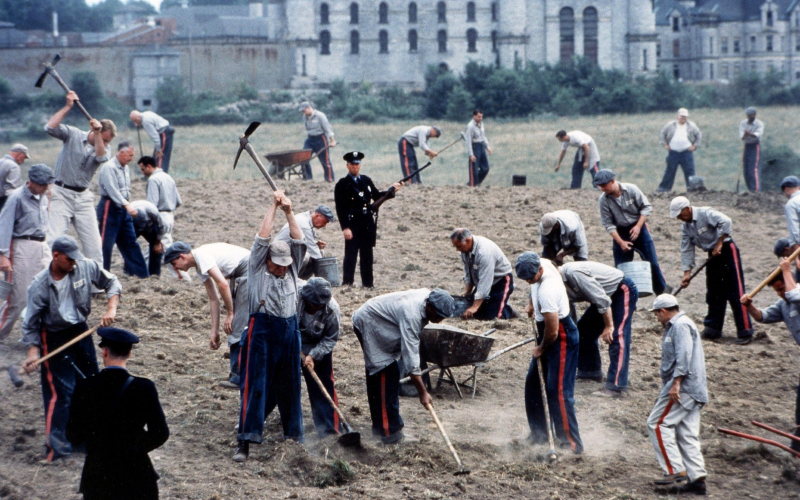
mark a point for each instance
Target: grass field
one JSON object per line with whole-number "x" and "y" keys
{"x": 628, "y": 144}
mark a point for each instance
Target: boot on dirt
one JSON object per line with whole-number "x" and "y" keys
{"x": 242, "y": 452}
{"x": 671, "y": 479}
{"x": 697, "y": 487}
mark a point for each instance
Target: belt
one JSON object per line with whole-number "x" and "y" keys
{"x": 31, "y": 238}
{"x": 71, "y": 188}
{"x": 165, "y": 211}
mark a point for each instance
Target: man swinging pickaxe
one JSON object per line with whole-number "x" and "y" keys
{"x": 244, "y": 145}
{"x": 49, "y": 69}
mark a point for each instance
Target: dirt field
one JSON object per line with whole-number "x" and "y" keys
{"x": 754, "y": 382}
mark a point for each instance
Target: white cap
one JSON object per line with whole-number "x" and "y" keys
{"x": 664, "y": 301}
{"x": 683, "y": 112}
{"x": 677, "y": 205}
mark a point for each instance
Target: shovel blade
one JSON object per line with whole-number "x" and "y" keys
{"x": 462, "y": 472}
{"x": 350, "y": 440}
{"x": 13, "y": 374}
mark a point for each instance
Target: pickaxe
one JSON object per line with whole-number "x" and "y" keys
{"x": 49, "y": 69}
{"x": 244, "y": 145}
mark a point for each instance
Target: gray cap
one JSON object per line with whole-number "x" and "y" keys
{"x": 790, "y": 181}
{"x": 548, "y": 222}
{"x": 20, "y": 148}
{"x": 68, "y": 246}
{"x": 280, "y": 253}
{"x": 678, "y": 204}
{"x": 176, "y": 250}
{"x": 528, "y": 264}
{"x": 41, "y": 174}
{"x": 317, "y": 291}
{"x": 327, "y": 212}
{"x": 438, "y": 130}
{"x": 664, "y": 301}
{"x": 780, "y": 246}
{"x": 604, "y": 176}
{"x": 683, "y": 112}
{"x": 442, "y": 302}
{"x": 304, "y": 105}
{"x": 750, "y": 111}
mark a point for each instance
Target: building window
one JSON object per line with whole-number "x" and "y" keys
{"x": 441, "y": 12}
{"x": 353, "y": 13}
{"x": 412, "y": 13}
{"x": 737, "y": 46}
{"x": 737, "y": 68}
{"x": 676, "y": 24}
{"x": 412, "y": 40}
{"x": 470, "y": 12}
{"x": 383, "y": 41}
{"x": 383, "y": 13}
{"x": 723, "y": 44}
{"x": 644, "y": 60}
{"x": 441, "y": 39}
{"x": 494, "y": 12}
{"x": 676, "y": 71}
{"x": 752, "y": 43}
{"x": 325, "y": 42}
{"x": 723, "y": 70}
{"x": 472, "y": 40}
{"x": 770, "y": 18}
{"x": 770, "y": 40}
{"x": 676, "y": 48}
{"x": 566, "y": 25}
{"x": 658, "y": 50}
{"x": 324, "y": 14}
{"x": 494, "y": 41}
{"x": 354, "y": 42}
{"x": 797, "y": 44}
{"x": 711, "y": 71}
{"x": 590, "y": 34}
{"x": 711, "y": 45}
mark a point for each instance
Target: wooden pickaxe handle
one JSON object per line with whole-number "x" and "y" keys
{"x": 325, "y": 393}
{"x": 63, "y": 84}
{"x": 695, "y": 273}
{"x": 254, "y": 156}
{"x": 62, "y": 348}
{"x": 461, "y": 138}
{"x": 772, "y": 275}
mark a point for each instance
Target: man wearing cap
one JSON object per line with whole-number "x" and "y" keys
{"x": 119, "y": 419}
{"x": 59, "y": 305}
{"x": 624, "y": 210}
{"x": 478, "y": 149}
{"x": 416, "y": 137}
{"x": 562, "y": 234}
{"x": 612, "y": 297}
{"x": 487, "y": 276}
{"x": 10, "y": 172}
{"x": 710, "y": 230}
{"x": 309, "y": 222}
{"x": 354, "y": 195}
{"x": 149, "y": 224}
{"x": 161, "y": 192}
{"x": 23, "y": 227}
{"x": 115, "y": 213}
{"x": 270, "y": 350}
{"x": 320, "y": 140}
{"x": 82, "y": 154}
{"x": 674, "y": 423}
{"x": 790, "y": 186}
{"x": 388, "y": 328}
{"x": 783, "y": 248}
{"x": 587, "y": 156}
{"x": 160, "y": 132}
{"x": 750, "y": 131}
{"x": 680, "y": 137}
{"x": 557, "y": 350}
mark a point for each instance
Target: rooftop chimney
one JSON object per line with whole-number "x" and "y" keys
{"x": 256, "y": 9}
{"x": 55, "y": 24}
{"x": 184, "y": 4}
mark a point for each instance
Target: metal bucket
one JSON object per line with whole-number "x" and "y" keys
{"x": 5, "y": 290}
{"x": 328, "y": 268}
{"x": 640, "y": 273}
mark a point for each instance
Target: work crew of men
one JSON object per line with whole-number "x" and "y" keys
{"x": 587, "y": 156}
{"x": 674, "y": 423}
{"x": 612, "y": 297}
{"x": 270, "y": 351}
{"x": 161, "y": 192}
{"x": 557, "y": 350}
{"x": 309, "y": 222}
{"x": 487, "y": 276}
{"x": 416, "y": 137}
{"x": 710, "y": 230}
{"x": 23, "y": 228}
{"x": 320, "y": 140}
{"x": 750, "y": 131}
{"x": 478, "y": 149}
{"x": 680, "y": 137}
{"x": 71, "y": 201}
{"x": 562, "y": 234}
{"x": 388, "y": 328}
{"x": 160, "y": 132}
{"x": 354, "y": 195}
{"x": 115, "y": 213}
{"x": 10, "y": 176}
{"x": 148, "y": 223}
{"x": 119, "y": 418}
{"x": 624, "y": 210}
{"x": 59, "y": 303}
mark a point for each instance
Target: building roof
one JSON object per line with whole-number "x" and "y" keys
{"x": 722, "y": 10}
{"x": 215, "y": 21}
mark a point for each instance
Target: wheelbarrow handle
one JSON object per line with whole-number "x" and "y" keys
{"x": 759, "y": 439}
{"x": 427, "y": 370}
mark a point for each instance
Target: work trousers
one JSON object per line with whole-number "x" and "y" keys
{"x": 590, "y": 326}
{"x": 361, "y": 243}
{"x": 478, "y": 169}
{"x": 408, "y": 160}
{"x": 647, "y": 251}
{"x": 239, "y": 324}
{"x": 154, "y": 258}
{"x": 326, "y": 421}
{"x": 67, "y": 206}
{"x": 725, "y": 285}
{"x": 674, "y": 158}
{"x": 116, "y": 227}
{"x": 383, "y": 394}
{"x": 675, "y": 434}
{"x": 495, "y": 306}
{"x": 3, "y": 201}
{"x": 577, "y": 170}
{"x": 27, "y": 259}
{"x": 165, "y": 148}
{"x": 559, "y": 363}
{"x": 269, "y": 361}
{"x": 317, "y": 143}
{"x": 58, "y": 377}
{"x": 751, "y": 164}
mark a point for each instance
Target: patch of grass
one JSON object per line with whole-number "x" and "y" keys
{"x": 337, "y": 473}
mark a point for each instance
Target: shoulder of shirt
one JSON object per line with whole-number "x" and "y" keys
{"x": 40, "y": 277}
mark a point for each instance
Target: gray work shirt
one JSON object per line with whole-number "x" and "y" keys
{"x": 571, "y": 234}
{"x": 154, "y": 124}
{"x": 592, "y": 282}
{"x": 148, "y": 218}
{"x": 277, "y": 294}
{"x": 24, "y": 214}
{"x": 317, "y": 124}
{"x": 475, "y": 134}
{"x": 787, "y": 311}
{"x": 319, "y": 331}
{"x": 484, "y": 266}
{"x": 682, "y": 355}
{"x": 162, "y": 192}
{"x": 756, "y": 128}
{"x": 706, "y": 227}
{"x": 309, "y": 234}
{"x": 625, "y": 210}
{"x": 44, "y": 311}
{"x": 390, "y": 326}
{"x": 692, "y": 133}
{"x": 9, "y": 175}
{"x": 77, "y": 161}
{"x": 792, "y": 211}
{"x": 418, "y": 137}
{"x": 114, "y": 182}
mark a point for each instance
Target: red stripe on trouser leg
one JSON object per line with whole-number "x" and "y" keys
{"x": 562, "y": 404}
{"x": 163, "y": 136}
{"x": 758, "y": 164}
{"x": 661, "y": 441}
{"x": 335, "y": 400}
{"x": 384, "y": 413}
{"x": 405, "y": 157}
{"x": 10, "y": 279}
{"x": 505, "y": 295}
{"x": 246, "y": 392}
{"x": 738, "y": 271}
{"x": 621, "y": 333}
{"x": 51, "y": 406}
{"x": 105, "y": 218}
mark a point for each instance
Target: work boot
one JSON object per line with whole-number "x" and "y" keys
{"x": 709, "y": 334}
{"x": 743, "y": 340}
{"x": 698, "y": 487}
{"x": 227, "y": 384}
{"x": 670, "y": 479}
{"x": 242, "y": 452}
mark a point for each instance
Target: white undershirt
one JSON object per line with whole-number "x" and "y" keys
{"x": 680, "y": 140}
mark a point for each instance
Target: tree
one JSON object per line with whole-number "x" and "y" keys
{"x": 87, "y": 86}
{"x": 173, "y": 97}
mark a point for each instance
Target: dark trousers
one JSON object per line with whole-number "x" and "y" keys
{"x": 725, "y": 285}
{"x": 478, "y": 169}
{"x": 496, "y": 305}
{"x": 361, "y": 243}
{"x": 234, "y": 361}
{"x": 269, "y": 361}
{"x": 317, "y": 143}
{"x": 751, "y": 159}
{"x": 559, "y": 363}
{"x": 796, "y": 444}
{"x": 326, "y": 420}
{"x": 577, "y": 170}
{"x": 647, "y": 250}
{"x": 686, "y": 161}
{"x": 58, "y": 377}
{"x": 166, "y": 148}
{"x": 154, "y": 258}
{"x": 590, "y": 326}
{"x": 3, "y": 201}
{"x": 383, "y": 394}
{"x": 408, "y": 161}
{"x": 116, "y": 227}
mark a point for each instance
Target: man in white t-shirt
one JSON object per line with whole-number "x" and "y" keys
{"x": 587, "y": 157}
{"x": 680, "y": 137}
{"x": 557, "y": 350}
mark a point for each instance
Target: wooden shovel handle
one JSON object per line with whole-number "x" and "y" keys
{"x": 772, "y": 275}
{"x": 57, "y": 351}
{"x": 324, "y": 391}
{"x": 444, "y": 434}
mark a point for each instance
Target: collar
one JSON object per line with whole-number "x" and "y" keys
{"x": 694, "y": 214}
{"x": 474, "y": 246}
{"x": 354, "y": 177}
{"x": 115, "y": 368}
{"x": 674, "y": 319}
{"x": 794, "y": 194}
{"x": 118, "y": 164}
{"x": 28, "y": 192}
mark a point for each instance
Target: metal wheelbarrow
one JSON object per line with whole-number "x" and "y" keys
{"x": 288, "y": 163}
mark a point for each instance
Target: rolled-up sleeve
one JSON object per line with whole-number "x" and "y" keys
{"x": 298, "y": 248}
{"x": 687, "y": 250}
{"x": 772, "y": 314}
{"x": 7, "y": 219}
{"x": 682, "y": 338}
{"x": 592, "y": 291}
{"x": 643, "y": 204}
{"x": 36, "y": 308}
{"x": 721, "y": 221}
{"x": 61, "y": 132}
{"x": 410, "y": 329}
{"x": 422, "y": 137}
{"x": 486, "y": 267}
{"x": 105, "y": 280}
{"x": 326, "y": 125}
{"x": 606, "y": 218}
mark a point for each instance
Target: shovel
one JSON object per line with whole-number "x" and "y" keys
{"x": 462, "y": 471}
{"x": 351, "y": 438}
{"x": 551, "y": 455}
{"x": 691, "y": 277}
{"x": 14, "y": 371}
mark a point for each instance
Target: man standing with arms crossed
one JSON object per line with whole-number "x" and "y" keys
{"x": 478, "y": 149}
{"x": 680, "y": 137}
{"x": 320, "y": 137}
{"x": 10, "y": 172}
{"x": 160, "y": 133}
{"x": 416, "y": 137}
{"x": 750, "y": 131}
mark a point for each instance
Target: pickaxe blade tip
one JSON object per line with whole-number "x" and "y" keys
{"x": 40, "y": 81}
{"x": 251, "y": 128}
{"x": 56, "y": 58}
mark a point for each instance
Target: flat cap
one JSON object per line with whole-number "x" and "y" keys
{"x": 68, "y": 246}
{"x": 790, "y": 181}
{"x": 354, "y": 157}
{"x": 528, "y": 264}
{"x": 750, "y": 111}
{"x": 780, "y": 246}
{"x": 327, "y": 212}
{"x": 438, "y": 130}
{"x": 604, "y": 176}
{"x": 442, "y": 302}
{"x": 548, "y": 222}
{"x": 678, "y": 204}
{"x": 280, "y": 253}
{"x": 41, "y": 174}
{"x": 317, "y": 291}
{"x": 176, "y": 250}
{"x": 683, "y": 112}
{"x": 304, "y": 105}
{"x": 20, "y": 148}
{"x": 116, "y": 335}
{"x": 664, "y": 301}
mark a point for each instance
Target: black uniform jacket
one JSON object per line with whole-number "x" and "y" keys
{"x": 353, "y": 201}
{"x": 113, "y": 428}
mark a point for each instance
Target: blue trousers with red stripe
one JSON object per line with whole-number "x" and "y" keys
{"x": 478, "y": 169}
{"x": 725, "y": 285}
{"x": 116, "y": 227}
{"x": 408, "y": 160}
{"x": 590, "y": 327}
{"x": 496, "y": 305}
{"x": 578, "y": 170}
{"x": 559, "y": 364}
{"x": 751, "y": 159}
{"x": 317, "y": 143}
{"x": 383, "y": 394}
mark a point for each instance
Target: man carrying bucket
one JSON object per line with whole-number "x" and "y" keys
{"x": 309, "y": 222}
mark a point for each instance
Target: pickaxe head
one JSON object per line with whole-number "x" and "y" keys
{"x": 47, "y": 68}
{"x": 243, "y": 141}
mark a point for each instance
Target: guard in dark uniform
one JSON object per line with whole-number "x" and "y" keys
{"x": 354, "y": 195}
{"x": 120, "y": 420}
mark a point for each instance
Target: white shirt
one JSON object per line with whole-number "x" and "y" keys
{"x": 577, "y": 139}
{"x": 222, "y": 255}
{"x": 549, "y": 295}
{"x": 680, "y": 140}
